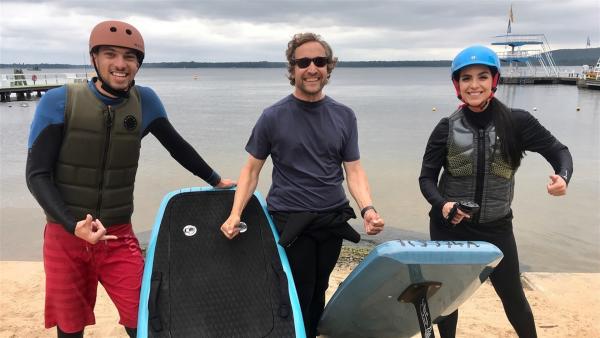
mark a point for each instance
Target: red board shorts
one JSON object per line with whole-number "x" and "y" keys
{"x": 74, "y": 267}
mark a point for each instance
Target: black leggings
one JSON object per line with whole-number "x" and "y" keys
{"x": 505, "y": 278}
{"x": 312, "y": 262}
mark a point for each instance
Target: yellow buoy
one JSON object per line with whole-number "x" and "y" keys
{"x": 578, "y": 109}
{"x": 434, "y": 109}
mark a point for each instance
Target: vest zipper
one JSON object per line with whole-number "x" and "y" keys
{"x": 480, "y": 173}
{"x": 108, "y": 120}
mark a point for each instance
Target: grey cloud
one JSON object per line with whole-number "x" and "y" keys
{"x": 413, "y": 28}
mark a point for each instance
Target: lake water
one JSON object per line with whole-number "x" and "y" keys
{"x": 215, "y": 109}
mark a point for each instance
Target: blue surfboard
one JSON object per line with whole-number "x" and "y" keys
{"x": 402, "y": 287}
{"x": 198, "y": 283}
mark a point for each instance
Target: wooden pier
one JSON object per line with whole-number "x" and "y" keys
{"x": 24, "y": 93}
{"x": 533, "y": 80}
{"x": 579, "y": 81}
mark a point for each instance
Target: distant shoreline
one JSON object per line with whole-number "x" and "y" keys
{"x": 249, "y": 64}
{"x": 257, "y": 65}
{"x": 562, "y": 57}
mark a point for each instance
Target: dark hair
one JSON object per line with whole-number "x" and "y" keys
{"x": 300, "y": 39}
{"x": 506, "y": 132}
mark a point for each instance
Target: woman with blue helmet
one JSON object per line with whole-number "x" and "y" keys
{"x": 480, "y": 147}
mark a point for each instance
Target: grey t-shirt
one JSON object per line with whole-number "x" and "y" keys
{"x": 307, "y": 141}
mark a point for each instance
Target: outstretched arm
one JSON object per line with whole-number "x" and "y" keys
{"x": 358, "y": 184}
{"x": 247, "y": 183}
{"x": 539, "y": 139}
{"x": 185, "y": 154}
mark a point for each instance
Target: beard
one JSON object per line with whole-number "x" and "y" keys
{"x": 312, "y": 90}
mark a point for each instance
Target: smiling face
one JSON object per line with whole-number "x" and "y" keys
{"x": 475, "y": 85}
{"x": 116, "y": 66}
{"x": 310, "y": 80}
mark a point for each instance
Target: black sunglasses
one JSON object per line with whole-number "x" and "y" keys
{"x": 319, "y": 61}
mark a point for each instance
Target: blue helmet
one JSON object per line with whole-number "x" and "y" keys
{"x": 475, "y": 55}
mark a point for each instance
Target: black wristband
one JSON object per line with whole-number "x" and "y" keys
{"x": 214, "y": 179}
{"x": 364, "y": 210}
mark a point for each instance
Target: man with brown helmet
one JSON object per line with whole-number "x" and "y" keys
{"x": 84, "y": 147}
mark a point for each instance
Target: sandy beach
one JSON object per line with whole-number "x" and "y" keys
{"x": 564, "y": 305}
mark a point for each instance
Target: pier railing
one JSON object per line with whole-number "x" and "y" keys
{"x": 24, "y": 85}
{"x": 40, "y": 80}
{"x": 507, "y": 39}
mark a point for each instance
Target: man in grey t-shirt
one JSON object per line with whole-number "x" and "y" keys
{"x": 309, "y": 137}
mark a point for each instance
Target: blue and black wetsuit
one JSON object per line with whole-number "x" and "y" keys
{"x": 46, "y": 137}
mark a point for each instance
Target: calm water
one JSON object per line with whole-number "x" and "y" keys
{"x": 216, "y": 112}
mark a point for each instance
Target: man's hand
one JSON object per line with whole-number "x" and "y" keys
{"x": 231, "y": 227}
{"x": 373, "y": 223}
{"x": 92, "y": 231}
{"x": 557, "y": 186}
{"x": 225, "y": 183}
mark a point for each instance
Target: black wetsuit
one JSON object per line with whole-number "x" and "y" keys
{"x": 506, "y": 277}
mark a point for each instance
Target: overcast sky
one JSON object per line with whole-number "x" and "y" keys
{"x": 258, "y": 30}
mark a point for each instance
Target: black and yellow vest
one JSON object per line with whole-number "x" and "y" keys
{"x": 98, "y": 159}
{"x": 472, "y": 152}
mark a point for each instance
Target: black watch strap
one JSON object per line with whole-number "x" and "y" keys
{"x": 364, "y": 210}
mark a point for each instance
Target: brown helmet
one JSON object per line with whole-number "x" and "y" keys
{"x": 117, "y": 33}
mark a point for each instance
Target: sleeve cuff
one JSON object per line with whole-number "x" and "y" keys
{"x": 214, "y": 179}
{"x": 70, "y": 228}
{"x": 439, "y": 205}
{"x": 565, "y": 174}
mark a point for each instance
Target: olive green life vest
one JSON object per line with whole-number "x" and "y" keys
{"x": 98, "y": 159}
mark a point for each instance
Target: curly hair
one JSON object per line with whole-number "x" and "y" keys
{"x": 300, "y": 39}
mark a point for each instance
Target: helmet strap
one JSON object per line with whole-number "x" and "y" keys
{"x": 112, "y": 91}
{"x": 484, "y": 105}
{"x": 495, "y": 81}
{"x": 456, "y": 86}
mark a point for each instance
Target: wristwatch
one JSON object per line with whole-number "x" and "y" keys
{"x": 364, "y": 210}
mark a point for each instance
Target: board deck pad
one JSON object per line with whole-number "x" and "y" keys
{"x": 198, "y": 283}
{"x": 366, "y": 304}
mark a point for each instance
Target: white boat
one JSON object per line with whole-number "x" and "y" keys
{"x": 594, "y": 73}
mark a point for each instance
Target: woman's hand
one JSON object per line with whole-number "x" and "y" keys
{"x": 458, "y": 217}
{"x": 557, "y": 186}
